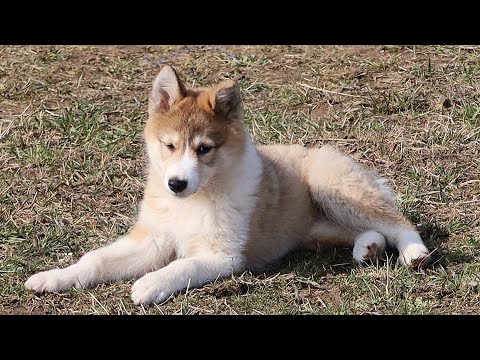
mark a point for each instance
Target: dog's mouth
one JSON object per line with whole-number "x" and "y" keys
{"x": 182, "y": 195}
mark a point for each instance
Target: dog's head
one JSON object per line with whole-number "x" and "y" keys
{"x": 194, "y": 136}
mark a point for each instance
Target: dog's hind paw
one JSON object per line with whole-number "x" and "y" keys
{"x": 414, "y": 255}
{"x": 368, "y": 246}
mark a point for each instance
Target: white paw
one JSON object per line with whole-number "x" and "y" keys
{"x": 150, "y": 289}
{"x": 52, "y": 280}
{"x": 414, "y": 254}
{"x": 368, "y": 246}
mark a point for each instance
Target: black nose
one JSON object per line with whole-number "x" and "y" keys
{"x": 177, "y": 185}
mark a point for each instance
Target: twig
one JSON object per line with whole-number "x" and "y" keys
{"x": 428, "y": 193}
{"x": 341, "y": 264}
{"x": 329, "y": 91}
{"x": 468, "y": 182}
{"x": 99, "y": 303}
{"x": 388, "y": 277}
{"x": 469, "y": 201}
{"x": 346, "y": 140}
{"x": 200, "y": 310}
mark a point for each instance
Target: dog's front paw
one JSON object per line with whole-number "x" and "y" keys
{"x": 150, "y": 289}
{"x": 50, "y": 281}
{"x": 414, "y": 255}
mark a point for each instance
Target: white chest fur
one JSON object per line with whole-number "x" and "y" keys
{"x": 212, "y": 222}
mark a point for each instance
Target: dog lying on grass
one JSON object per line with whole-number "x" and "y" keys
{"x": 216, "y": 205}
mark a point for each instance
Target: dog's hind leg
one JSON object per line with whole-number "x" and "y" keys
{"x": 358, "y": 200}
{"x": 131, "y": 255}
{"x": 326, "y": 234}
{"x": 367, "y": 245}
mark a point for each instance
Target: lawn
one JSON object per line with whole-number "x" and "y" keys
{"x": 72, "y": 163}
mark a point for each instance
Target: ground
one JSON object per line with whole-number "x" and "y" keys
{"x": 73, "y": 165}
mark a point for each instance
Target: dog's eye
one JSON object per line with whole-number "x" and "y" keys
{"x": 170, "y": 146}
{"x": 203, "y": 149}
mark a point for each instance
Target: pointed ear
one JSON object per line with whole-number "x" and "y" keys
{"x": 225, "y": 98}
{"x": 167, "y": 88}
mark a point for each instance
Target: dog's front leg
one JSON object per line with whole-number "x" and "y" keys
{"x": 130, "y": 256}
{"x": 190, "y": 272}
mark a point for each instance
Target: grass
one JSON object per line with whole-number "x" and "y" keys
{"x": 72, "y": 168}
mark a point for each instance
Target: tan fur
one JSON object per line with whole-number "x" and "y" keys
{"x": 335, "y": 179}
{"x": 244, "y": 206}
{"x": 139, "y": 232}
{"x": 316, "y": 198}
{"x": 284, "y": 210}
{"x": 325, "y": 234}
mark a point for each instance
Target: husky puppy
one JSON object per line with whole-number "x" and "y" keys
{"x": 216, "y": 205}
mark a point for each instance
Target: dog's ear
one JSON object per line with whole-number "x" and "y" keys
{"x": 225, "y": 98}
{"x": 167, "y": 88}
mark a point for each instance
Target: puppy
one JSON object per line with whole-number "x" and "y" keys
{"x": 216, "y": 205}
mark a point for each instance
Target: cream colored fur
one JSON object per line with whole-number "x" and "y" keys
{"x": 244, "y": 207}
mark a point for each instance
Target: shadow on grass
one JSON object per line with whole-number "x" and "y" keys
{"x": 308, "y": 264}
{"x": 435, "y": 237}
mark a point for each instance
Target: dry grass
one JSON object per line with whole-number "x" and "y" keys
{"x": 72, "y": 161}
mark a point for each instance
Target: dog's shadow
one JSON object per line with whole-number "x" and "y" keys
{"x": 307, "y": 263}
{"x": 310, "y": 267}
{"x": 436, "y": 237}
{"x": 334, "y": 261}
